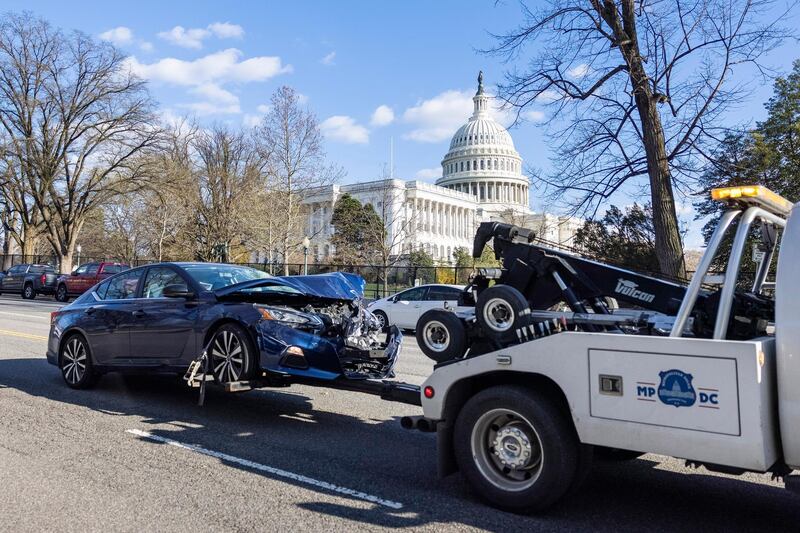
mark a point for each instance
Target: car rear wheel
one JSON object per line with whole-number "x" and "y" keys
{"x": 28, "y": 292}
{"x": 517, "y": 449}
{"x": 61, "y": 293}
{"x": 231, "y": 354}
{"x": 75, "y": 361}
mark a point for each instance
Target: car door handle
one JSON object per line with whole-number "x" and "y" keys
{"x": 139, "y": 313}
{"x": 90, "y": 310}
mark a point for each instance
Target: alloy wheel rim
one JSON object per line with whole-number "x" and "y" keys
{"x": 507, "y": 449}
{"x": 62, "y": 292}
{"x": 28, "y": 291}
{"x": 436, "y": 336}
{"x": 381, "y": 319}
{"x": 74, "y": 361}
{"x": 227, "y": 357}
{"x": 498, "y": 314}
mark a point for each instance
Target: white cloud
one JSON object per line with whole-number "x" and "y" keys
{"x": 263, "y": 108}
{"x": 344, "y": 129}
{"x": 428, "y": 173}
{"x": 438, "y": 118}
{"x": 119, "y": 36}
{"x": 579, "y": 71}
{"x": 214, "y": 100}
{"x": 223, "y": 66}
{"x": 382, "y": 116}
{"x": 252, "y": 120}
{"x": 302, "y": 99}
{"x": 226, "y": 30}
{"x": 549, "y": 95}
{"x": 534, "y": 115}
{"x": 146, "y": 46}
{"x": 194, "y": 37}
{"x": 186, "y": 38}
{"x": 328, "y": 59}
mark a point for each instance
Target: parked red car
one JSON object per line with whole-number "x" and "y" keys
{"x": 84, "y": 278}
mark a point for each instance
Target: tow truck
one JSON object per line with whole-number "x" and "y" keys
{"x": 525, "y": 393}
{"x": 718, "y": 388}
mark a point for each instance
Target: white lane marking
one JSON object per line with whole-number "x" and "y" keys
{"x": 269, "y": 469}
{"x": 24, "y": 315}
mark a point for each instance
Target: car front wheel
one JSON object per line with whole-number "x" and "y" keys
{"x": 76, "y": 365}
{"x": 61, "y": 294}
{"x": 383, "y": 320}
{"x": 231, "y": 354}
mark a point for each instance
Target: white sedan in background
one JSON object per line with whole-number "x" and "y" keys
{"x": 404, "y": 308}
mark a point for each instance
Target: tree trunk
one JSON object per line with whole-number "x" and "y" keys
{"x": 669, "y": 249}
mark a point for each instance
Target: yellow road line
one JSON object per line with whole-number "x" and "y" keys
{"x": 23, "y": 335}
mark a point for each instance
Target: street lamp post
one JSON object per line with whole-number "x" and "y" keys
{"x": 78, "y": 249}
{"x": 306, "y": 244}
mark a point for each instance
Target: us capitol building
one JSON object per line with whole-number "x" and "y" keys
{"x": 481, "y": 181}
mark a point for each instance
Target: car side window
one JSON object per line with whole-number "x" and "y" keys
{"x": 91, "y": 270}
{"x": 101, "y": 289}
{"x": 443, "y": 293}
{"x": 15, "y": 270}
{"x": 157, "y": 279}
{"x": 412, "y": 295}
{"x": 123, "y": 287}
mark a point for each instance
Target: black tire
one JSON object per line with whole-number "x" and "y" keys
{"x": 382, "y": 318}
{"x": 28, "y": 292}
{"x": 61, "y": 293}
{"x": 615, "y": 455}
{"x": 75, "y": 362}
{"x": 524, "y": 420}
{"x": 441, "y": 335}
{"x": 231, "y": 354}
{"x": 500, "y": 311}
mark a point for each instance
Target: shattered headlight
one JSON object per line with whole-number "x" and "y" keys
{"x": 288, "y": 317}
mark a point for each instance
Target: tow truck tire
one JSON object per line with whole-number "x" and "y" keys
{"x": 517, "y": 448}
{"x": 441, "y": 335}
{"x": 500, "y": 311}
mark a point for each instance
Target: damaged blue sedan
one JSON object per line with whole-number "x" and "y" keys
{"x": 162, "y": 317}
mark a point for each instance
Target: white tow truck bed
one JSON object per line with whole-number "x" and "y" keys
{"x": 710, "y": 401}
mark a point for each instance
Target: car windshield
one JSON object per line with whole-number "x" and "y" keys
{"x": 214, "y": 276}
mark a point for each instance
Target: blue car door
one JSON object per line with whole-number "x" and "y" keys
{"x": 163, "y": 328}
{"x": 107, "y": 321}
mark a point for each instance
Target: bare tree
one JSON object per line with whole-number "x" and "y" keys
{"x": 637, "y": 89}
{"x": 229, "y": 180}
{"x": 399, "y": 221}
{"x": 76, "y": 122}
{"x": 291, "y": 140}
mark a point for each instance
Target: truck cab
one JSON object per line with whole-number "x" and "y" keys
{"x": 85, "y": 277}
{"x": 522, "y": 422}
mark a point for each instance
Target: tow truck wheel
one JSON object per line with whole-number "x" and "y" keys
{"x": 441, "y": 335}
{"x": 231, "y": 354}
{"x": 500, "y": 311}
{"x": 517, "y": 449}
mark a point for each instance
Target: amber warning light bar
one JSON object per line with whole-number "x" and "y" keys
{"x": 754, "y": 195}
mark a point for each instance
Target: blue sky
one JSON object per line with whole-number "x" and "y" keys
{"x": 371, "y": 71}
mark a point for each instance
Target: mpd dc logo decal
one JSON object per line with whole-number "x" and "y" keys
{"x": 676, "y": 389}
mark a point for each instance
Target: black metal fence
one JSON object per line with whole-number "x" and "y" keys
{"x": 381, "y": 281}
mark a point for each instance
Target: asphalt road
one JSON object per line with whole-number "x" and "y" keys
{"x": 138, "y": 454}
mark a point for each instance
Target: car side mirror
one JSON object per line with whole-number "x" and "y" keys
{"x": 177, "y": 290}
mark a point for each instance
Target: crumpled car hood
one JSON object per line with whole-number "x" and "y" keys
{"x": 334, "y": 285}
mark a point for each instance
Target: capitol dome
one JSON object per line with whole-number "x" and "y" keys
{"x": 482, "y": 160}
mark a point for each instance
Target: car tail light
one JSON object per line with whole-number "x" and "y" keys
{"x": 53, "y": 317}
{"x": 43, "y": 279}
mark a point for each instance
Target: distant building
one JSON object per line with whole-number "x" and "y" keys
{"x": 481, "y": 181}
